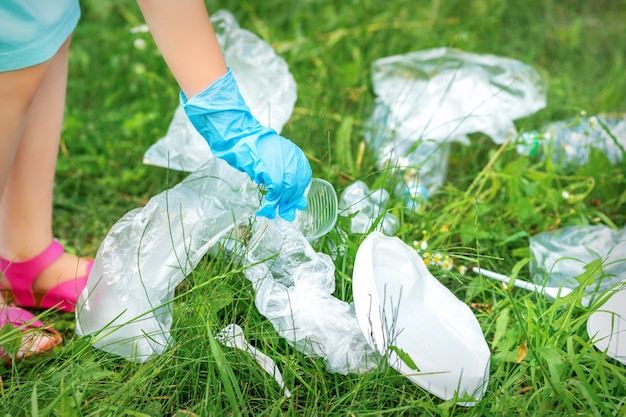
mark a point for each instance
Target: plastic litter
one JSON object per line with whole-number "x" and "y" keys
{"x": 427, "y": 99}
{"x": 365, "y": 206}
{"x": 126, "y": 305}
{"x": 551, "y": 292}
{"x": 264, "y": 81}
{"x": 320, "y": 215}
{"x": 607, "y": 325}
{"x": 446, "y": 93}
{"x": 294, "y": 287}
{"x": 420, "y": 163}
{"x": 569, "y": 143}
{"x": 409, "y": 316}
{"x": 232, "y": 336}
{"x": 561, "y": 255}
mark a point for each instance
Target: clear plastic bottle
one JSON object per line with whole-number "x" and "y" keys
{"x": 569, "y": 143}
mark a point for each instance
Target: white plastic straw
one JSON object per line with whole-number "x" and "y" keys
{"x": 552, "y": 292}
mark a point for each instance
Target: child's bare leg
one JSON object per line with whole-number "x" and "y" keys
{"x": 17, "y": 90}
{"x": 31, "y": 142}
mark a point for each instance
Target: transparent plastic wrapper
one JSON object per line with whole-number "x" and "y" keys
{"x": 561, "y": 255}
{"x": 264, "y": 80}
{"x": 365, "y": 207}
{"x": 446, "y": 93}
{"x": 570, "y": 142}
{"x": 294, "y": 287}
{"x": 421, "y": 163}
{"x": 427, "y": 99}
{"x": 149, "y": 251}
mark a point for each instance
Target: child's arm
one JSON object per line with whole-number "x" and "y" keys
{"x": 184, "y": 35}
{"x": 213, "y": 104}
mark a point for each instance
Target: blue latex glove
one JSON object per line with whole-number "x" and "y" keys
{"x": 221, "y": 116}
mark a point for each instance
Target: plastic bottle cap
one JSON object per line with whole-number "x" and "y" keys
{"x": 529, "y": 143}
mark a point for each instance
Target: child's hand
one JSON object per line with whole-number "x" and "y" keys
{"x": 221, "y": 116}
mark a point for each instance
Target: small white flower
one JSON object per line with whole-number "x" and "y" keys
{"x": 139, "y": 44}
{"x": 462, "y": 269}
{"x": 420, "y": 244}
{"x": 140, "y": 29}
{"x": 565, "y": 195}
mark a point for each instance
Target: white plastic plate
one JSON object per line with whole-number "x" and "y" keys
{"x": 426, "y": 333}
{"x": 607, "y": 326}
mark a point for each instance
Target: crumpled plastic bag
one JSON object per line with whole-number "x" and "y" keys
{"x": 365, "y": 206}
{"x": 420, "y": 162}
{"x": 446, "y": 93}
{"x": 126, "y": 305}
{"x": 570, "y": 142}
{"x": 561, "y": 255}
{"x": 427, "y": 99}
{"x": 264, "y": 81}
{"x": 294, "y": 287}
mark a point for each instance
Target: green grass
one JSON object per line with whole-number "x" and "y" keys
{"x": 121, "y": 99}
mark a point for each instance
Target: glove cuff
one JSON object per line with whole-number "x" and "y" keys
{"x": 223, "y": 93}
{"x": 219, "y": 113}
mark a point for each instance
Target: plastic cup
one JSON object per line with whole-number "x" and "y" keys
{"x": 320, "y": 215}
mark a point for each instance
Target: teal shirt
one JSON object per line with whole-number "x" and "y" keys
{"x": 32, "y": 31}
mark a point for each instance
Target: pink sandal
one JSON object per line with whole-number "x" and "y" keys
{"x": 21, "y": 276}
{"x": 18, "y": 318}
